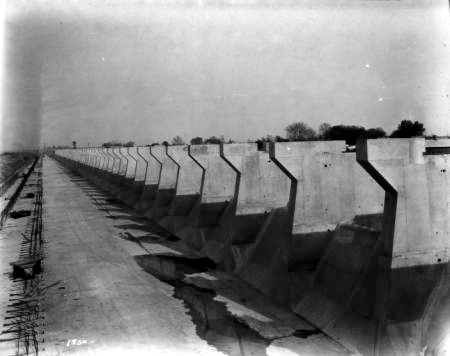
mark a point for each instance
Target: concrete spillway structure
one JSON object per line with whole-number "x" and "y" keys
{"x": 188, "y": 188}
{"x": 217, "y": 191}
{"x": 357, "y": 244}
{"x": 152, "y": 175}
{"x": 166, "y": 184}
{"x": 414, "y": 256}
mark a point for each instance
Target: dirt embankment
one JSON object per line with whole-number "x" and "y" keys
{"x": 10, "y": 162}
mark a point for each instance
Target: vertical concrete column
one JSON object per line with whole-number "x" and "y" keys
{"x": 118, "y": 186}
{"x": 99, "y": 161}
{"x": 121, "y": 152}
{"x": 109, "y": 164}
{"x": 98, "y": 171}
{"x": 189, "y": 184}
{"x": 261, "y": 193}
{"x": 84, "y": 161}
{"x": 130, "y": 174}
{"x": 152, "y": 175}
{"x": 415, "y": 236}
{"x": 115, "y": 177}
{"x": 79, "y": 160}
{"x": 137, "y": 169}
{"x": 104, "y": 165}
{"x": 95, "y": 163}
{"x": 217, "y": 192}
{"x": 166, "y": 185}
{"x": 218, "y": 242}
{"x": 257, "y": 232}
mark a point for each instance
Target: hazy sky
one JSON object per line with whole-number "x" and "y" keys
{"x": 94, "y": 71}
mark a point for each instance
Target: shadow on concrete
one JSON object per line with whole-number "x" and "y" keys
{"x": 214, "y": 323}
{"x": 228, "y": 313}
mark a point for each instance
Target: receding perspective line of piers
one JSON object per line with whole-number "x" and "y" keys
{"x": 355, "y": 244}
{"x": 295, "y": 248}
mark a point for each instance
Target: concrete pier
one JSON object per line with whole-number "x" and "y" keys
{"x": 218, "y": 188}
{"x": 166, "y": 184}
{"x": 188, "y": 188}
{"x": 140, "y": 171}
{"x": 152, "y": 176}
{"x": 414, "y": 252}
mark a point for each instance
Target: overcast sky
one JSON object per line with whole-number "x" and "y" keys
{"x": 93, "y": 71}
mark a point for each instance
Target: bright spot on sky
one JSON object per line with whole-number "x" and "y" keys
{"x": 380, "y": 99}
{"x": 103, "y": 59}
{"x": 367, "y": 65}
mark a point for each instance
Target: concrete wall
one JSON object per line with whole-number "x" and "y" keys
{"x": 217, "y": 191}
{"x": 152, "y": 175}
{"x": 140, "y": 168}
{"x": 188, "y": 188}
{"x": 415, "y": 236}
{"x": 126, "y": 193}
{"x": 238, "y": 243}
{"x": 331, "y": 186}
{"x": 122, "y": 153}
{"x": 166, "y": 184}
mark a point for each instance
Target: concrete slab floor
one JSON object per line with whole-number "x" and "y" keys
{"x": 102, "y": 302}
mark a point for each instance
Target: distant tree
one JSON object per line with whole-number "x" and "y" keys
{"x": 281, "y": 139}
{"x": 349, "y": 133}
{"x": 112, "y": 144}
{"x": 299, "y": 131}
{"x": 407, "y": 128}
{"x": 323, "y": 130}
{"x": 74, "y": 144}
{"x": 177, "y": 140}
{"x": 196, "y": 141}
{"x": 375, "y": 133}
{"x": 129, "y": 144}
{"x": 344, "y": 132}
{"x": 156, "y": 144}
{"x": 214, "y": 140}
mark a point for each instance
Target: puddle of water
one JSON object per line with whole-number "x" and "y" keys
{"x": 214, "y": 323}
{"x": 172, "y": 268}
{"x": 17, "y": 214}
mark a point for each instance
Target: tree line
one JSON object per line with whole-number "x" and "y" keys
{"x": 300, "y": 131}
